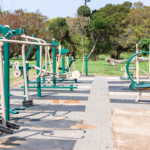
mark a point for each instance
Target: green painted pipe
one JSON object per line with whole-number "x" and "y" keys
{"x": 86, "y": 65}
{"x": 6, "y": 79}
{"x": 128, "y": 66}
{"x": 38, "y": 65}
{"x": 54, "y": 63}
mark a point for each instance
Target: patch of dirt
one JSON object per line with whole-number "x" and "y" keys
{"x": 106, "y": 100}
{"x": 58, "y": 118}
{"x": 55, "y": 101}
{"x": 82, "y": 126}
{"x": 71, "y": 101}
{"x": 36, "y": 128}
{"x": 147, "y": 96}
{"x": 131, "y": 129}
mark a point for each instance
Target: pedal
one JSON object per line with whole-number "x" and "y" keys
{"x": 28, "y": 103}
{"x": 11, "y": 125}
{"x": 6, "y": 130}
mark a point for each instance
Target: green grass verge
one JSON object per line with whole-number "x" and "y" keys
{"x": 100, "y": 67}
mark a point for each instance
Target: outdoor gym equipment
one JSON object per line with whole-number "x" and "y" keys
{"x": 48, "y": 73}
{"x": 134, "y": 83}
{"x": 62, "y": 75}
{"x": 134, "y": 70}
{"x": 67, "y": 74}
{"x": 5, "y": 127}
{"x": 7, "y": 34}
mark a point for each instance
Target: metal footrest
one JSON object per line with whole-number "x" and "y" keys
{"x": 11, "y": 125}
{"x": 28, "y": 103}
{"x": 5, "y": 130}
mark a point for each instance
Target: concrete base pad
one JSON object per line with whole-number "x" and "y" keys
{"x": 44, "y": 123}
{"x": 16, "y": 143}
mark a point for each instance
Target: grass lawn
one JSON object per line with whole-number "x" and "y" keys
{"x": 100, "y": 67}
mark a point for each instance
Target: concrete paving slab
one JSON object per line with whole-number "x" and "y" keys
{"x": 38, "y": 144}
{"x": 52, "y": 90}
{"x": 44, "y": 123}
{"x": 58, "y": 107}
{"x": 49, "y": 97}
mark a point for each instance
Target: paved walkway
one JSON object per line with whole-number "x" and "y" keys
{"x": 64, "y": 120}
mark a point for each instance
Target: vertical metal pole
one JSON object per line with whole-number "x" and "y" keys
{"x": 44, "y": 79}
{"x": 54, "y": 63}
{"x": 137, "y": 63}
{"x": 70, "y": 58}
{"x": 86, "y": 65}
{"x": 2, "y": 87}
{"x": 27, "y": 72}
{"x": 38, "y": 65}
{"x": 6, "y": 79}
{"x": 63, "y": 65}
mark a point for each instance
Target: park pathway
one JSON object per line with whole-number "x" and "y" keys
{"x": 64, "y": 120}
{"x": 98, "y": 108}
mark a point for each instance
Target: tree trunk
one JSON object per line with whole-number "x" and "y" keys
{"x": 85, "y": 2}
{"x": 94, "y": 56}
{"x": 115, "y": 56}
{"x": 116, "y": 61}
{"x": 82, "y": 43}
{"x": 93, "y": 48}
{"x": 140, "y": 59}
{"x": 74, "y": 51}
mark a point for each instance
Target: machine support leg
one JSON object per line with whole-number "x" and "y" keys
{"x": 27, "y": 65}
{"x": 38, "y": 65}
{"x": 54, "y": 63}
{"x": 71, "y": 87}
{"x": 63, "y": 64}
{"x": 6, "y": 79}
{"x": 86, "y": 66}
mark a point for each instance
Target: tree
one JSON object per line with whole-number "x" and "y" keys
{"x": 83, "y": 14}
{"x": 84, "y": 11}
{"x": 96, "y": 26}
{"x": 32, "y": 23}
{"x": 63, "y": 30}
{"x": 137, "y": 25}
{"x": 113, "y": 15}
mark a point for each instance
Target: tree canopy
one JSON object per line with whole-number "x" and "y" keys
{"x": 111, "y": 29}
{"x": 84, "y": 11}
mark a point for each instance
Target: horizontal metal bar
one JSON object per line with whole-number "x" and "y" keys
{"x": 26, "y": 42}
{"x": 17, "y": 95}
{"x": 33, "y": 81}
{"x": 50, "y": 87}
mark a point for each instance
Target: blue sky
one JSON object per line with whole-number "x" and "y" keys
{"x": 58, "y": 8}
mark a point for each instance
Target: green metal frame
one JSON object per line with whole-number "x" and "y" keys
{"x": 86, "y": 65}
{"x": 7, "y": 33}
{"x": 133, "y": 82}
{"x": 39, "y": 87}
